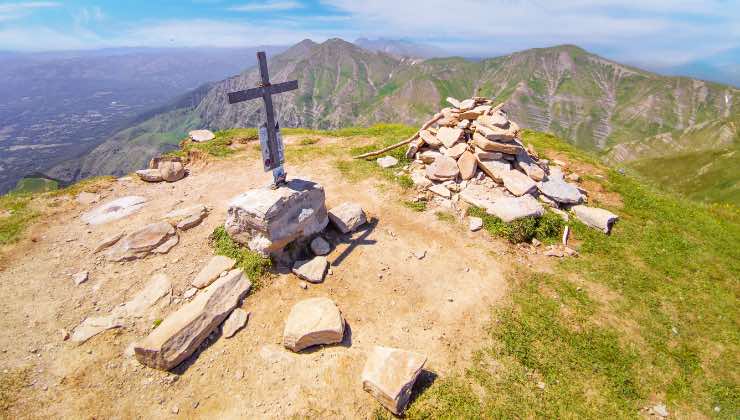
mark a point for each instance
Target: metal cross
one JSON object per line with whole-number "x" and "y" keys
{"x": 271, "y": 143}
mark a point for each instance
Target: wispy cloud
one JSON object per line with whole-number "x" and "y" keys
{"x": 269, "y": 6}
{"x": 14, "y": 11}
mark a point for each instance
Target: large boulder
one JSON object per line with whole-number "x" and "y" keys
{"x": 114, "y": 210}
{"x": 172, "y": 171}
{"x": 180, "y": 334}
{"x": 267, "y": 220}
{"x": 312, "y": 322}
{"x": 560, "y": 191}
{"x": 517, "y": 183}
{"x": 347, "y": 217}
{"x": 212, "y": 270}
{"x": 154, "y": 238}
{"x": 512, "y": 208}
{"x": 596, "y": 218}
{"x": 389, "y": 375}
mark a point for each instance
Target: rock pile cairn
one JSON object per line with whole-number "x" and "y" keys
{"x": 472, "y": 151}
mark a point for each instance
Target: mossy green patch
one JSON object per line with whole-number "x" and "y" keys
{"x": 15, "y": 216}
{"x": 547, "y": 228}
{"x": 254, "y": 265}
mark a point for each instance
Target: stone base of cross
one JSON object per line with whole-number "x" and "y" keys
{"x": 271, "y": 143}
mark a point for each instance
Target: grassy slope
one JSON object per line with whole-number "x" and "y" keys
{"x": 645, "y": 315}
{"x": 32, "y": 185}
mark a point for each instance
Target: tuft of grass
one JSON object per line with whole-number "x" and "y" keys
{"x": 35, "y": 185}
{"x": 157, "y": 322}
{"x": 419, "y": 206}
{"x": 254, "y": 265}
{"x": 92, "y": 185}
{"x": 445, "y": 216}
{"x": 547, "y": 228}
{"x": 15, "y": 216}
{"x": 220, "y": 146}
{"x": 307, "y": 141}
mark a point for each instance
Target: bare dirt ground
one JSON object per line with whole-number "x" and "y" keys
{"x": 436, "y": 306}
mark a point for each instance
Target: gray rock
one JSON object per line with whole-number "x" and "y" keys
{"x": 389, "y": 375}
{"x": 201, "y": 135}
{"x": 517, "y": 183}
{"x": 480, "y": 195}
{"x": 319, "y": 246}
{"x": 467, "y": 164}
{"x": 512, "y": 208}
{"x": 347, "y": 217}
{"x": 529, "y": 166}
{"x": 475, "y": 224}
{"x": 312, "y": 322}
{"x": 188, "y": 217}
{"x": 660, "y": 410}
{"x": 494, "y": 168}
{"x": 560, "y": 191}
{"x": 236, "y": 321}
{"x": 441, "y": 190}
{"x": 429, "y": 156}
{"x": 443, "y": 168}
{"x": 114, "y": 210}
{"x": 212, "y": 270}
{"x": 92, "y": 326}
{"x": 190, "y": 293}
{"x": 180, "y": 334}
{"x": 387, "y": 162}
{"x": 158, "y": 287}
{"x": 267, "y": 220}
{"x": 449, "y": 136}
{"x": 596, "y": 218}
{"x": 108, "y": 242}
{"x": 150, "y": 175}
{"x": 156, "y": 237}
{"x": 312, "y": 270}
{"x": 420, "y": 180}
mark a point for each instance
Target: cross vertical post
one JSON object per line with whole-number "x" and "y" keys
{"x": 270, "y": 140}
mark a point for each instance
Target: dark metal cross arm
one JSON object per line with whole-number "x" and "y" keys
{"x": 258, "y": 92}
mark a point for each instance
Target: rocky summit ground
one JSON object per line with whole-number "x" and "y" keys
{"x": 507, "y": 330}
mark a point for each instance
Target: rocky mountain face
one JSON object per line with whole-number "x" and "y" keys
{"x": 595, "y": 103}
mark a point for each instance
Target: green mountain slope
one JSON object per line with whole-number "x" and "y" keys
{"x": 594, "y": 103}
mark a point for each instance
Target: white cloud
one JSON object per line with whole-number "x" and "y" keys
{"x": 89, "y": 14}
{"x": 269, "y": 6}
{"x": 14, "y": 11}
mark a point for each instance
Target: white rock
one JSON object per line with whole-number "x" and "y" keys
{"x": 387, "y": 162}
{"x": 172, "y": 171}
{"x": 481, "y": 195}
{"x": 201, "y": 135}
{"x": 420, "y": 180}
{"x": 108, "y": 242}
{"x": 313, "y": 270}
{"x": 320, "y": 246}
{"x": 156, "y": 237}
{"x": 236, "y": 321}
{"x": 660, "y": 410}
{"x": 80, "y": 277}
{"x": 560, "y": 191}
{"x": 190, "y": 293}
{"x": 596, "y": 218}
{"x": 512, "y": 208}
{"x": 158, "y": 287}
{"x": 449, "y": 136}
{"x": 347, "y": 217}
{"x": 475, "y": 224}
{"x": 312, "y": 322}
{"x": 441, "y": 190}
{"x": 518, "y": 183}
{"x": 150, "y": 175}
{"x": 114, "y": 210}
{"x": 389, "y": 375}
{"x": 443, "y": 168}
{"x": 212, "y": 270}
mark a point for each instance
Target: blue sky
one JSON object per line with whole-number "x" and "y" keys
{"x": 636, "y": 31}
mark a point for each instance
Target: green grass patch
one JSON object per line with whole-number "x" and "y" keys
{"x": 547, "y": 228}
{"x": 15, "y": 216}
{"x": 220, "y": 146}
{"x": 35, "y": 185}
{"x": 418, "y": 206}
{"x": 91, "y": 185}
{"x": 254, "y": 265}
{"x": 157, "y": 322}
{"x": 307, "y": 141}
{"x": 445, "y": 216}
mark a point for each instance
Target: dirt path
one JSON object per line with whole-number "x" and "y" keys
{"x": 436, "y": 306}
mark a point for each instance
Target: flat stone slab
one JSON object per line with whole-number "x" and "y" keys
{"x": 596, "y": 218}
{"x": 187, "y": 218}
{"x": 560, "y": 191}
{"x": 180, "y": 334}
{"x": 489, "y": 145}
{"x": 313, "y": 270}
{"x": 114, "y": 210}
{"x": 212, "y": 270}
{"x": 512, "y": 208}
{"x": 389, "y": 375}
{"x": 92, "y": 326}
{"x": 201, "y": 135}
{"x": 235, "y": 322}
{"x": 312, "y": 322}
{"x": 347, "y": 217}
{"x": 481, "y": 195}
{"x": 444, "y": 168}
{"x": 387, "y": 162}
{"x": 494, "y": 168}
{"x": 449, "y": 136}
{"x": 157, "y": 237}
{"x": 150, "y": 175}
{"x": 157, "y": 288}
{"x": 467, "y": 164}
{"x": 267, "y": 220}
{"x": 517, "y": 183}
{"x": 529, "y": 166}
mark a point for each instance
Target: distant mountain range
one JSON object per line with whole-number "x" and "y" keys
{"x": 57, "y": 106}
{"x": 401, "y": 48}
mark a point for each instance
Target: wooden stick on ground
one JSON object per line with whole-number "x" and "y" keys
{"x": 426, "y": 125}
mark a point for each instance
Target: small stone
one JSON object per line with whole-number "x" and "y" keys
{"x": 467, "y": 164}
{"x": 303, "y": 285}
{"x": 236, "y": 321}
{"x": 172, "y": 171}
{"x": 157, "y": 237}
{"x": 541, "y": 385}
{"x": 560, "y": 191}
{"x": 441, "y": 190}
{"x": 320, "y": 246}
{"x": 574, "y": 177}
{"x": 312, "y": 270}
{"x": 215, "y": 267}
{"x": 175, "y": 409}
{"x": 80, "y": 277}
{"x": 420, "y": 254}
{"x": 430, "y": 139}
{"x": 190, "y": 293}
{"x": 108, "y": 242}
{"x": 536, "y": 242}
{"x": 596, "y": 218}
{"x": 312, "y": 322}
{"x": 518, "y": 183}
{"x": 554, "y": 252}
{"x": 201, "y": 135}
{"x": 150, "y": 175}
{"x": 660, "y": 410}
{"x": 64, "y": 334}
{"x": 387, "y": 162}
{"x": 456, "y": 151}
{"x": 475, "y": 223}
{"x": 239, "y": 375}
